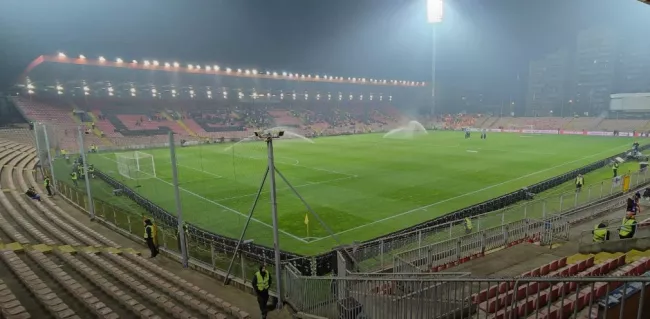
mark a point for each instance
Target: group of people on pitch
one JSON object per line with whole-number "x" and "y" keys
{"x": 629, "y": 224}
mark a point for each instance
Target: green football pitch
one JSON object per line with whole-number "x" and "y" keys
{"x": 361, "y": 186}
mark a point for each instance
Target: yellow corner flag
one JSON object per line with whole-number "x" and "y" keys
{"x": 307, "y": 223}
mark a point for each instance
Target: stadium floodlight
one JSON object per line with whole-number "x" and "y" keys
{"x": 189, "y": 66}
{"x": 284, "y": 73}
{"x": 134, "y": 62}
{"x": 118, "y": 60}
{"x": 86, "y": 89}
{"x": 110, "y": 89}
{"x": 228, "y": 70}
{"x": 238, "y": 70}
{"x": 290, "y": 75}
{"x": 62, "y": 55}
{"x": 155, "y": 63}
{"x": 102, "y": 59}
{"x": 435, "y": 10}
{"x": 215, "y": 67}
{"x": 82, "y": 57}
{"x": 173, "y": 91}
{"x": 198, "y": 67}
{"x": 275, "y": 73}
{"x": 167, "y": 65}
{"x": 86, "y": 93}
{"x": 59, "y": 92}
{"x": 176, "y": 64}
{"x": 191, "y": 92}
{"x": 132, "y": 90}
{"x": 30, "y": 86}
{"x": 59, "y": 88}
{"x": 110, "y": 93}
{"x": 254, "y": 71}
{"x": 147, "y": 63}
{"x": 208, "y": 68}
{"x": 154, "y": 91}
{"x": 247, "y": 71}
{"x": 30, "y": 92}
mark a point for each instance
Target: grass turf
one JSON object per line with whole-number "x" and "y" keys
{"x": 361, "y": 186}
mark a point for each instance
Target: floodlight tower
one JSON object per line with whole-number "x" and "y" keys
{"x": 268, "y": 138}
{"x": 435, "y": 9}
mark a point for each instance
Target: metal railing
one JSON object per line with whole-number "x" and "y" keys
{"x": 444, "y": 254}
{"x": 378, "y": 255}
{"x": 613, "y": 226}
{"x": 458, "y": 296}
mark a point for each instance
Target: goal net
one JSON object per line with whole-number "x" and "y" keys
{"x": 136, "y": 165}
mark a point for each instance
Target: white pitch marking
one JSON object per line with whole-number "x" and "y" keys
{"x": 198, "y": 170}
{"x": 472, "y": 151}
{"x": 470, "y": 193}
{"x": 297, "y": 186}
{"x": 220, "y": 205}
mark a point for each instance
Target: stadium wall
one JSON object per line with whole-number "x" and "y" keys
{"x": 326, "y": 262}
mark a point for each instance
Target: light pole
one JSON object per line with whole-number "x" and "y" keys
{"x": 435, "y": 9}
{"x": 268, "y": 138}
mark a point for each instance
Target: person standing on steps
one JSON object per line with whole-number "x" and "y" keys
{"x": 48, "y": 187}
{"x": 261, "y": 283}
{"x": 148, "y": 237}
{"x": 580, "y": 181}
{"x": 615, "y": 168}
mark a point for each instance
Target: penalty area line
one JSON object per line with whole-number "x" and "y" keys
{"x": 220, "y": 205}
{"x": 470, "y": 193}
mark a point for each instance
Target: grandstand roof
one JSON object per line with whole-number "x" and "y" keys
{"x": 97, "y": 77}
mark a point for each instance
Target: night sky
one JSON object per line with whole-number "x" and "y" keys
{"x": 482, "y": 45}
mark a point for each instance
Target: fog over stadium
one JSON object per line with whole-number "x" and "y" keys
{"x": 324, "y": 159}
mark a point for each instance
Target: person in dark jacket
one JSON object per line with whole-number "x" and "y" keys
{"x": 31, "y": 192}
{"x": 261, "y": 283}
{"x": 148, "y": 237}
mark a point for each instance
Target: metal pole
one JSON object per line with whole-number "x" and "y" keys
{"x": 91, "y": 207}
{"x": 177, "y": 196}
{"x": 433, "y": 70}
{"x": 274, "y": 215}
{"x": 49, "y": 158}
{"x": 38, "y": 146}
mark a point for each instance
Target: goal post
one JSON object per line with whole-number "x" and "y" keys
{"x": 136, "y": 165}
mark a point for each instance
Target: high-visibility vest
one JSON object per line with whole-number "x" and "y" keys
{"x": 579, "y": 180}
{"x": 262, "y": 281}
{"x": 615, "y": 167}
{"x": 46, "y": 182}
{"x": 150, "y": 227}
{"x": 74, "y": 176}
{"x": 626, "y": 227}
{"x": 600, "y": 234}
{"x": 468, "y": 223}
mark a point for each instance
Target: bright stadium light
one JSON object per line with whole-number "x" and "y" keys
{"x": 189, "y": 66}
{"x": 238, "y": 70}
{"x": 147, "y": 63}
{"x": 198, "y": 67}
{"x": 435, "y": 11}
{"x": 215, "y": 67}
{"x": 191, "y": 92}
{"x": 208, "y": 68}
{"x": 86, "y": 89}
{"x": 228, "y": 70}
{"x": 59, "y": 88}
{"x": 176, "y": 64}
{"x": 86, "y": 93}
{"x": 134, "y": 62}
{"x": 132, "y": 90}
{"x": 30, "y": 92}
{"x": 254, "y": 71}
{"x": 59, "y": 92}
{"x": 247, "y": 72}
{"x": 82, "y": 57}
{"x": 118, "y": 60}
{"x": 284, "y": 73}
{"x": 153, "y": 91}
{"x": 155, "y": 63}
{"x": 275, "y": 73}
{"x": 62, "y": 55}
{"x": 167, "y": 65}
{"x": 110, "y": 89}
{"x": 173, "y": 91}
{"x": 30, "y": 86}
{"x": 102, "y": 59}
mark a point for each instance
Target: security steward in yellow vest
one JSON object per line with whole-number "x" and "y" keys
{"x": 615, "y": 169}
{"x": 73, "y": 176}
{"x": 148, "y": 237}
{"x": 580, "y": 181}
{"x": 628, "y": 227}
{"x": 261, "y": 283}
{"x": 468, "y": 225}
{"x": 601, "y": 234}
{"x": 48, "y": 187}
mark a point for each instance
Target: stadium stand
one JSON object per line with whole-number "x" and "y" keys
{"x": 56, "y": 266}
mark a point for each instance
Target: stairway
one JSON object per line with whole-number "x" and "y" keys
{"x": 180, "y": 123}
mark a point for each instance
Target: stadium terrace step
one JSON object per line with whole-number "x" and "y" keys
{"x": 10, "y": 306}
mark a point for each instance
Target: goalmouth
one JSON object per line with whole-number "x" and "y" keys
{"x": 136, "y": 165}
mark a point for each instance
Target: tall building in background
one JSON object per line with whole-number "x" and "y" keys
{"x": 633, "y": 65}
{"x": 547, "y": 85}
{"x": 596, "y": 58}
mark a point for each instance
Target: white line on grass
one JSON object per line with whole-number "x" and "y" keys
{"x": 198, "y": 170}
{"x": 470, "y": 193}
{"x": 285, "y": 188}
{"x": 220, "y": 205}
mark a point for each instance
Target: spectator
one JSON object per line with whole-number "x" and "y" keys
{"x": 628, "y": 227}
{"x": 31, "y": 192}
